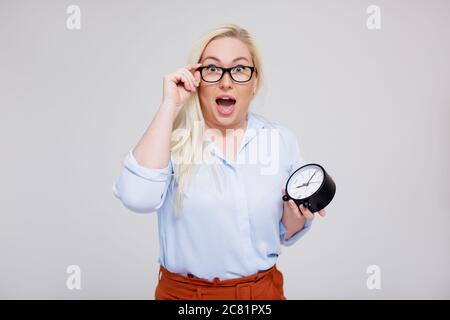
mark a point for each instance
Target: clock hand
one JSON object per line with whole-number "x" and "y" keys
{"x": 311, "y": 177}
{"x": 306, "y": 184}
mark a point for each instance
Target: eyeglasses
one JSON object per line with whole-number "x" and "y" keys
{"x": 239, "y": 73}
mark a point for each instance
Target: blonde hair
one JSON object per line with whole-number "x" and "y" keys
{"x": 190, "y": 118}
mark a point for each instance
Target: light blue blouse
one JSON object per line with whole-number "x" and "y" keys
{"x": 226, "y": 230}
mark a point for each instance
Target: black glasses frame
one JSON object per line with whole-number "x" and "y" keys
{"x": 226, "y": 70}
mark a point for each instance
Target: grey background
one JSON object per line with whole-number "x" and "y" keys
{"x": 372, "y": 106}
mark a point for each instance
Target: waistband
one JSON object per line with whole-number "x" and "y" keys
{"x": 190, "y": 279}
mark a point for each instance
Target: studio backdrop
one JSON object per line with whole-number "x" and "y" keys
{"x": 363, "y": 84}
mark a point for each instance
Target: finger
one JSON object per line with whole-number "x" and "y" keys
{"x": 306, "y": 212}
{"x": 190, "y": 77}
{"x": 286, "y": 205}
{"x": 184, "y": 72}
{"x": 177, "y": 78}
{"x": 181, "y": 77}
{"x": 294, "y": 208}
{"x": 197, "y": 76}
{"x": 192, "y": 69}
{"x": 193, "y": 66}
{"x": 194, "y": 79}
{"x": 322, "y": 213}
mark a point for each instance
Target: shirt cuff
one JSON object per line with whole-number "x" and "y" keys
{"x": 151, "y": 174}
{"x": 296, "y": 235}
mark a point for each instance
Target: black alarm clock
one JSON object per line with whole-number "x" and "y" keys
{"x": 311, "y": 186}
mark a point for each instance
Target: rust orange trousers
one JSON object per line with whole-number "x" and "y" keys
{"x": 263, "y": 285}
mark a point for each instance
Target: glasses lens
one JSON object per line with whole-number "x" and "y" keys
{"x": 211, "y": 73}
{"x": 241, "y": 73}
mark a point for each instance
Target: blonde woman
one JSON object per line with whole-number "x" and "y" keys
{"x": 205, "y": 166}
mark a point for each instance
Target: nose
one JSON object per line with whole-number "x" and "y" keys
{"x": 226, "y": 81}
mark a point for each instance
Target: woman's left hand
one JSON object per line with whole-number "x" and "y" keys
{"x": 294, "y": 217}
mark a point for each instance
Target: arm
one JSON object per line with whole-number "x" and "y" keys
{"x": 146, "y": 176}
{"x": 293, "y": 224}
{"x": 142, "y": 189}
{"x": 295, "y": 220}
{"x": 147, "y": 170}
{"x": 153, "y": 149}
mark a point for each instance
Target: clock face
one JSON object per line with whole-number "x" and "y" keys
{"x": 305, "y": 182}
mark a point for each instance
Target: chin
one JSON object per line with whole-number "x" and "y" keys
{"x": 226, "y": 119}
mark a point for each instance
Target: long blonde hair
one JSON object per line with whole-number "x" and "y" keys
{"x": 190, "y": 118}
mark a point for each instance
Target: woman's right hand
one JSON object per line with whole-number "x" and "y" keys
{"x": 179, "y": 86}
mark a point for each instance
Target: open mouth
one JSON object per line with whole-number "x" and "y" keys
{"x": 226, "y": 106}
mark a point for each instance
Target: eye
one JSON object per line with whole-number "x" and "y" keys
{"x": 211, "y": 68}
{"x": 239, "y": 68}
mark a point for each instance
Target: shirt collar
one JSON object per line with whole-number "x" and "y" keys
{"x": 254, "y": 124}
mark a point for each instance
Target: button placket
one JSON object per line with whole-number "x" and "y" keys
{"x": 243, "y": 213}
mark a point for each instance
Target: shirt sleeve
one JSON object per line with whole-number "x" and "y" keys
{"x": 296, "y": 161}
{"x": 295, "y": 236}
{"x": 142, "y": 189}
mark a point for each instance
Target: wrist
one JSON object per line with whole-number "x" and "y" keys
{"x": 291, "y": 232}
{"x": 168, "y": 110}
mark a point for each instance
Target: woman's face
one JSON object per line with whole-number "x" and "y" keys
{"x": 226, "y": 52}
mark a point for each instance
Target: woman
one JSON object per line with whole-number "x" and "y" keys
{"x": 221, "y": 217}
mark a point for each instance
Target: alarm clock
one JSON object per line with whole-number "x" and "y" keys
{"x": 311, "y": 186}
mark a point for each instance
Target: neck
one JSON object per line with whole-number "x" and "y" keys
{"x": 223, "y": 129}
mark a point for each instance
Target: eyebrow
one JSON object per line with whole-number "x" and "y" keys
{"x": 218, "y": 60}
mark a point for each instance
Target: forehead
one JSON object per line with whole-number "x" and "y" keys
{"x": 226, "y": 50}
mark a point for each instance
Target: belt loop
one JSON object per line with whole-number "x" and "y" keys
{"x": 199, "y": 293}
{"x": 243, "y": 292}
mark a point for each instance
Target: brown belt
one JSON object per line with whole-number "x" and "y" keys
{"x": 263, "y": 285}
